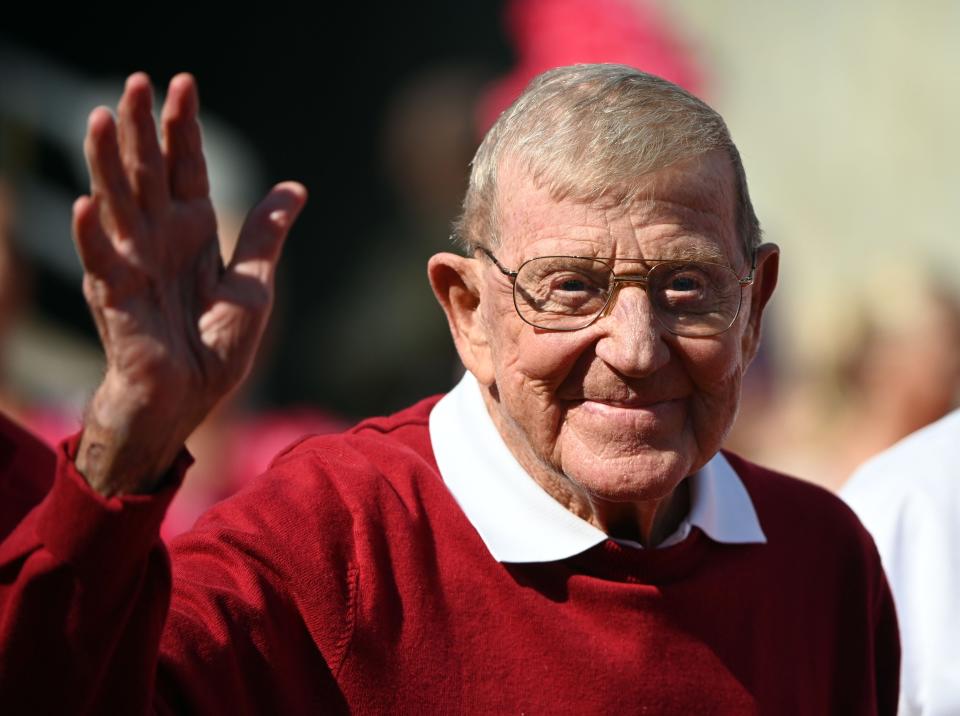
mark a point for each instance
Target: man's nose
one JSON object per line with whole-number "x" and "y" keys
{"x": 633, "y": 340}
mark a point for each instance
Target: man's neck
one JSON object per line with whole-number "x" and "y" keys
{"x": 647, "y": 523}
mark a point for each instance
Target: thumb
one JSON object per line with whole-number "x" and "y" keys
{"x": 265, "y": 230}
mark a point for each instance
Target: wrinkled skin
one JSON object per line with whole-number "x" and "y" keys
{"x": 610, "y": 419}
{"x": 178, "y": 326}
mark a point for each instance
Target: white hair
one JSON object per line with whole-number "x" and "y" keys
{"x": 591, "y": 131}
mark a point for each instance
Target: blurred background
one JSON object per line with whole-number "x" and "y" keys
{"x": 845, "y": 114}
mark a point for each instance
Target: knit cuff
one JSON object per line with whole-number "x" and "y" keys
{"x": 91, "y": 532}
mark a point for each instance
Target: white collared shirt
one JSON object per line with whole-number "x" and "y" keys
{"x": 520, "y": 522}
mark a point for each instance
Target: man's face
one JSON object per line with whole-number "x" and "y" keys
{"x": 622, "y": 410}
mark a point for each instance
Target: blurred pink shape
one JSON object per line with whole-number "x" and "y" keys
{"x": 554, "y": 33}
{"x": 242, "y": 449}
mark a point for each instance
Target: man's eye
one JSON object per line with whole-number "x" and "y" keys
{"x": 573, "y": 284}
{"x": 570, "y": 293}
{"x": 685, "y": 283}
{"x": 687, "y": 289}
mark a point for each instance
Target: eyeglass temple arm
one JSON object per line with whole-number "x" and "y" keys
{"x": 503, "y": 270}
{"x": 748, "y": 279}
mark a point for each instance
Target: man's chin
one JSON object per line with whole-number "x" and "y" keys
{"x": 650, "y": 475}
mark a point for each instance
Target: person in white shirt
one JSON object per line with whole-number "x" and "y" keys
{"x": 909, "y": 498}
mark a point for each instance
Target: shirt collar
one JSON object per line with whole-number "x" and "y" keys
{"x": 519, "y": 522}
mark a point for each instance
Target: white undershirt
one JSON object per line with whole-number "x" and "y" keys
{"x": 520, "y": 522}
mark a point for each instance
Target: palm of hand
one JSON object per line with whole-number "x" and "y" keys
{"x": 179, "y": 328}
{"x": 150, "y": 304}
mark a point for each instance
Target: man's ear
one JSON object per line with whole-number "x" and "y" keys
{"x": 765, "y": 280}
{"x": 456, "y": 283}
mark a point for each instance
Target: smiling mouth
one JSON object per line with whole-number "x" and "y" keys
{"x": 638, "y": 417}
{"x": 633, "y": 412}
{"x": 637, "y": 403}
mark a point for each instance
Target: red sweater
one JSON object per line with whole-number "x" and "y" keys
{"x": 347, "y": 579}
{"x": 26, "y": 473}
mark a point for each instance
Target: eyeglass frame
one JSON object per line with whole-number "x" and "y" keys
{"x": 747, "y": 280}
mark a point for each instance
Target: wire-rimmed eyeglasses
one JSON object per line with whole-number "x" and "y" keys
{"x": 566, "y": 293}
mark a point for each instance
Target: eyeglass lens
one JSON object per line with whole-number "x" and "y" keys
{"x": 566, "y": 293}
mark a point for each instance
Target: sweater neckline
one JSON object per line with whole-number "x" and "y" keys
{"x": 621, "y": 563}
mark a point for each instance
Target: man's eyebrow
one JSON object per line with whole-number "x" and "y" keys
{"x": 710, "y": 253}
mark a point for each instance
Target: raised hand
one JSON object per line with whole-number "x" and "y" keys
{"x": 179, "y": 328}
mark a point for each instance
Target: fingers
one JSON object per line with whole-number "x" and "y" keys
{"x": 119, "y": 211}
{"x": 265, "y": 230}
{"x": 107, "y": 275}
{"x": 232, "y": 326}
{"x": 107, "y": 262}
{"x": 139, "y": 148}
{"x": 96, "y": 251}
{"x": 183, "y": 147}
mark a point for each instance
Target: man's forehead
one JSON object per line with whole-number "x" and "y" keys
{"x": 704, "y": 183}
{"x": 691, "y": 206}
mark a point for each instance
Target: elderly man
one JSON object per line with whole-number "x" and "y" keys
{"x": 559, "y": 533}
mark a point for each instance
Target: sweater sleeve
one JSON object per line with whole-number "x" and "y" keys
{"x": 250, "y": 618}
{"x": 868, "y": 633}
{"x": 886, "y": 647}
{"x": 84, "y": 589}
{"x": 264, "y": 593}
